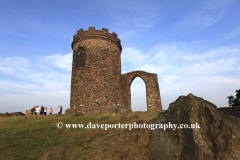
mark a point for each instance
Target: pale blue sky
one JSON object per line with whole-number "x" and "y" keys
{"x": 193, "y": 46}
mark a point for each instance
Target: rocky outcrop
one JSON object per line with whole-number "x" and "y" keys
{"x": 217, "y": 138}
{"x": 231, "y": 111}
{"x": 17, "y": 114}
{"x": 12, "y": 114}
{"x": 4, "y": 115}
{"x": 69, "y": 111}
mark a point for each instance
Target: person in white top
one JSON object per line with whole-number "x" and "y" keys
{"x": 37, "y": 110}
{"x": 45, "y": 111}
{"x": 59, "y": 109}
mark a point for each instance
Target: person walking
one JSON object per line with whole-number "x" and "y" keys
{"x": 42, "y": 110}
{"x": 51, "y": 110}
{"x": 45, "y": 111}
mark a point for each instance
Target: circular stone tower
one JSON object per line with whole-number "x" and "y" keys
{"x": 96, "y": 71}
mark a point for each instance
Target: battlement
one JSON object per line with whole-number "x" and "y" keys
{"x": 91, "y": 33}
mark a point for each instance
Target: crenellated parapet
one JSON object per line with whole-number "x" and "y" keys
{"x": 91, "y": 33}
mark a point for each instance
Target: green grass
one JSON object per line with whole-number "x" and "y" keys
{"x": 37, "y": 137}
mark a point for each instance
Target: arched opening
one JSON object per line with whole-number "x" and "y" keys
{"x": 138, "y": 95}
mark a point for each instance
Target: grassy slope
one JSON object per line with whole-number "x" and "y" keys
{"x": 37, "y": 137}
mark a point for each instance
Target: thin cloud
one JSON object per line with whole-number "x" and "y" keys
{"x": 20, "y": 88}
{"x": 232, "y": 34}
{"x": 209, "y": 14}
{"x": 13, "y": 65}
{"x": 168, "y": 79}
{"x": 209, "y": 68}
{"x": 132, "y": 55}
{"x": 60, "y": 61}
{"x": 141, "y": 20}
{"x": 199, "y": 57}
{"x": 125, "y": 35}
{"x": 144, "y": 21}
{"x": 152, "y": 68}
{"x": 201, "y": 19}
{"x": 14, "y": 61}
{"x": 225, "y": 51}
{"x": 6, "y": 70}
{"x": 214, "y": 4}
{"x": 39, "y": 74}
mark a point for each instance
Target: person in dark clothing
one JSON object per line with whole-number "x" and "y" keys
{"x": 33, "y": 110}
{"x": 42, "y": 110}
{"x": 61, "y": 110}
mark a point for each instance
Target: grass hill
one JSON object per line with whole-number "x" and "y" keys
{"x": 37, "y": 137}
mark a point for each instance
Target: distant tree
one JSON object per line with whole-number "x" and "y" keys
{"x": 234, "y": 101}
{"x": 230, "y": 100}
{"x": 238, "y": 93}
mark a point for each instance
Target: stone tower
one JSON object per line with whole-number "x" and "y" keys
{"x": 96, "y": 71}
{"x": 97, "y": 85}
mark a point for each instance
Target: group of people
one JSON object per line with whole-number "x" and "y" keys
{"x": 43, "y": 110}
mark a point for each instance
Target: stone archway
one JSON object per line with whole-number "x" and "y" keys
{"x": 152, "y": 89}
{"x": 138, "y": 98}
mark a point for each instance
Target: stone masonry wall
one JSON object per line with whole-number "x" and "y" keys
{"x": 96, "y": 86}
{"x": 152, "y": 89}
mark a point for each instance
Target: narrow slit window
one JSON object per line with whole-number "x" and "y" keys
{"x": 80, "y": 59}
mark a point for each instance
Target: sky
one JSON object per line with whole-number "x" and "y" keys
{"x": 192, "y": 46}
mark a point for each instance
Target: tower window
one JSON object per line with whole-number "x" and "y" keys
{"x": 80, "y": 59}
